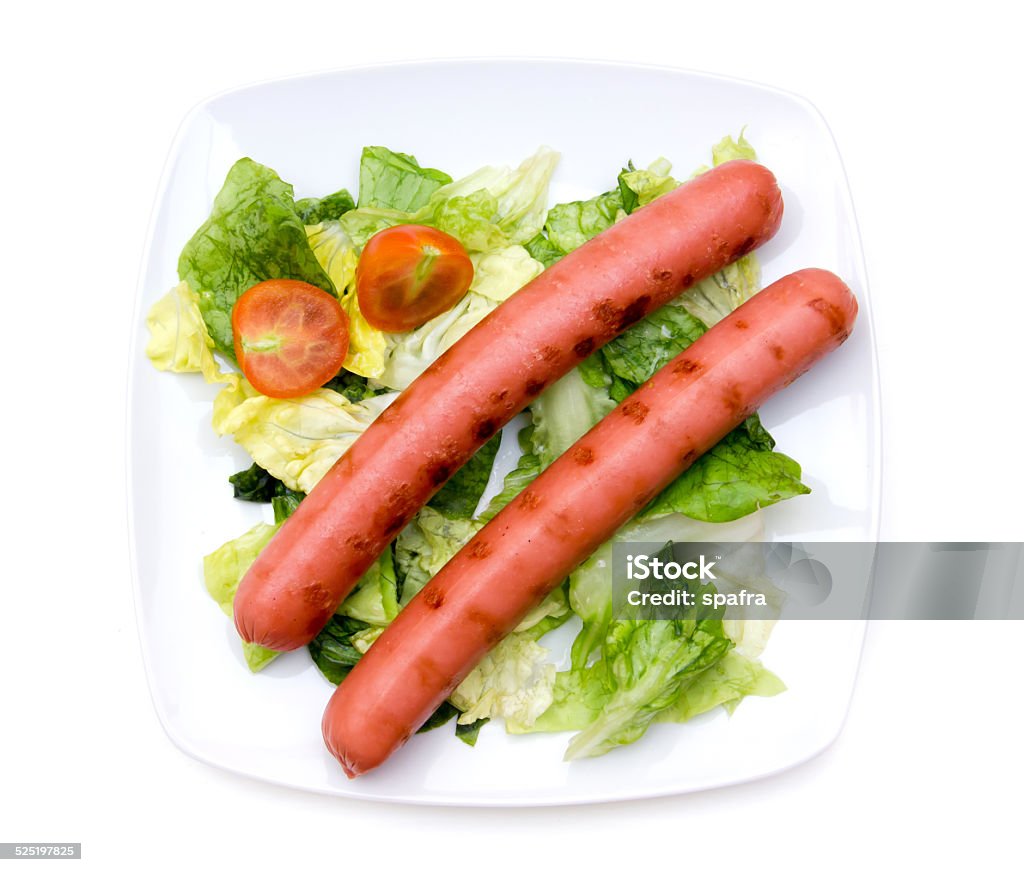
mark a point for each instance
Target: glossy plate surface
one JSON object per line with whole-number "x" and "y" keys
{"x": 311, "y": 130}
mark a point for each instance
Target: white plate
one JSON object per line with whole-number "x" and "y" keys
{"x": 461, "y": 115}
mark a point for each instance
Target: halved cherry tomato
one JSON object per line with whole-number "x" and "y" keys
{"x": 409, "y": 274}
{"x": 290, "y": 337}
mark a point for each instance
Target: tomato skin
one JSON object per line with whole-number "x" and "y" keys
{"x": 291, "y": 337}
{"x": 408, "y": 274}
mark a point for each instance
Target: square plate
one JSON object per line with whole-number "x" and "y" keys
{"x": 461, "y": 115}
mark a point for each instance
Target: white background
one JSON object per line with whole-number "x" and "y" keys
{"x": 925, "y": 106}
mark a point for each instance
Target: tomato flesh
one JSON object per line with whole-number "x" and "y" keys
{"x": 409, "y": 274}
{"x": 290, "y": 337}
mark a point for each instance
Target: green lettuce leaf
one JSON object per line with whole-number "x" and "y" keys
{"x": 543, "y": 250}
{"x": 590, "y": 595}
{"x": 179, "y": 340}
{"x": 315, "y": 210}
{"x": 514, "y": 681}
{"x": 462, "y": 492}
{"x": 740, "y": 475}
{"x": 444, "y": 713}
{"x": 472, "y": 219}
{"x": 647, "y": 346}
{"x": 256, "y": 485}
{"x": 577, "y": 699}
{"x": 469, "y": 733}
{"x": 333, "y": 650}
{"x": 569, "y": 225}
{"x": 295, "y": 440}
{"x": 391, "y": 180}
{"x": 223, "y": 569}
{"x": 222, "y": 572}
{"x": 725, "y": 683}
{"x": 409, "y": 354}
{"x": 363, "y": 222}
{"x": 253, "y": 233}
{"x": 498, "y": 274}
{"x": 711, "y": 299}
{"x": 494, "y": 206}
{"x": 645, "y": 668}
{"x": 732, "y": 149}
{"x": 374, "y": 601}
{"x": 354, "y": 388}
{"x": 338, "y": 254}
{"x": 426, "y": 544}
{"x": 564, "y": 412}
{"x": 527, "y": 468}
{"x": 640, "y": 187}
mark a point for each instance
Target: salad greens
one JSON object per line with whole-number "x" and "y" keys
{"x": 389, "y": 180}
{"x": 297, "y": 441}
{"x": 462, "y": 492}
{"x": 254, "y": 233}
{"x": 314, "y": 210}
{"x": 624, "y": 675}
{"x": 179, "y": 340}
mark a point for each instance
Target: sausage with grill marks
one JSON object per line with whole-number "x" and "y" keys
{"x": 575, "y": 505}
{"x": 491, "y": 374}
